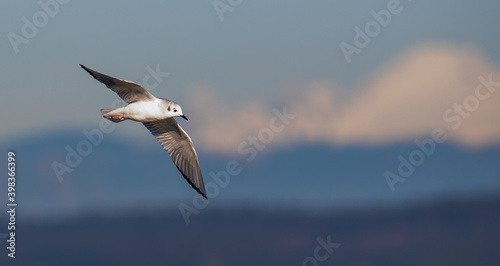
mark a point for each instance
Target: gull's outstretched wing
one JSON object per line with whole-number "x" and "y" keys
{"x": 127, "y": 90}
{"x": 180, "y": 147}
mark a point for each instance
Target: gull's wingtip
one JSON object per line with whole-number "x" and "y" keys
{"x": 202, "y": 193}
{"x": 90, "y": 71}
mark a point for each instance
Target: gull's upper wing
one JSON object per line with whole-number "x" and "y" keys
{"x": 180, "y": 147}
{"x": 127, "y": 90}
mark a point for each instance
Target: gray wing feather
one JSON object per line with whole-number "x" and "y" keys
{"x": 180, "y": 147}
{"x": 127, "y": 90}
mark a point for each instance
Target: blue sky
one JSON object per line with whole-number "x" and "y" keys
{"x": 258, "y": 52}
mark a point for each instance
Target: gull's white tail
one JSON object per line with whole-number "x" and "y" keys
{"x": 111, "y": 115}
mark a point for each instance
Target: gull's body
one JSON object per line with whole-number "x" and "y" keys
{"x": 157, "y": 115}
{"x": 145, "y": 111}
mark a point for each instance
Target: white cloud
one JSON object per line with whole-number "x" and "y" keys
{"x": 403, "y": 100}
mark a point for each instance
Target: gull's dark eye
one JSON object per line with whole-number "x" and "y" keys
{"x": 175, "y": 110}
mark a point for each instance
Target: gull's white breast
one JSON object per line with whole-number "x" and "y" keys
{"x": 146, "y": 111}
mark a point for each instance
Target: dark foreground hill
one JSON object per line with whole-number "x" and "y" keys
{"x": 454, "y": 232}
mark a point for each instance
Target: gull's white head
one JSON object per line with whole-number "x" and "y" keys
{"x": 174, "y": 109}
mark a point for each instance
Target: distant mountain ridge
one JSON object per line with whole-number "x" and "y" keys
{"x": 118, "y": 174}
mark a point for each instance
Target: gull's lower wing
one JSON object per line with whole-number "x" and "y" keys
{"x": 127, "y": 90}
{"x": 180, "y": 147}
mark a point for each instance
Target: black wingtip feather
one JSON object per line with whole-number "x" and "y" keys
{"x": 88, "y": 71}
{"x": 84, "y": 67}
{"x": 202, "y": 193}
{"x": 202, "y": 185}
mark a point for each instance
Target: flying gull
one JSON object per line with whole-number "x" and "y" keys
{"x": 157, "y": 115}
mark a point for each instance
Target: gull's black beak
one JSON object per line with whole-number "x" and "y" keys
{"x": 183, "y": 116}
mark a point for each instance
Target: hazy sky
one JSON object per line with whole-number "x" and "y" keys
{"x": 415, "y": 68}
{"x": 259, "y": 55}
